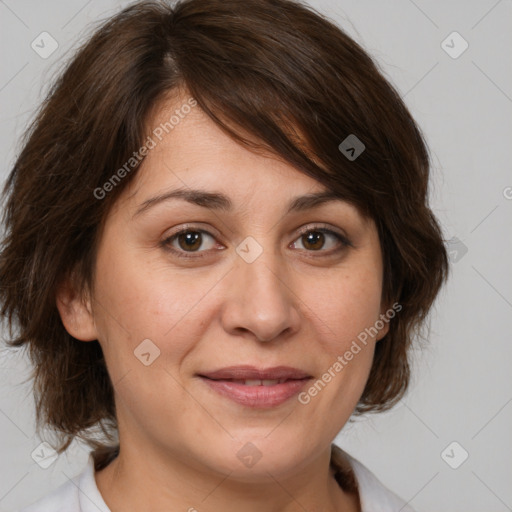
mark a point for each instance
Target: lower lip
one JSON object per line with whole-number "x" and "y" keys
{"x": 257, "y": 396}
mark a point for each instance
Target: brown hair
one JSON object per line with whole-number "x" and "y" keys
{"x": 269, "y": 66}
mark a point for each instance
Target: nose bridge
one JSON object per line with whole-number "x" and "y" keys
{"x": 261, "y": 300}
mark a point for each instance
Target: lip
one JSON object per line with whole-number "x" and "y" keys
{"x": 245, "y": 372}
{"x": 225, "y": 382}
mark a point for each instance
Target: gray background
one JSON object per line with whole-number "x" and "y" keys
{"x": 461, "y": 386}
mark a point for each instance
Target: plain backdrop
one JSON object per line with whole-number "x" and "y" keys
{"x": 447, "y": 446}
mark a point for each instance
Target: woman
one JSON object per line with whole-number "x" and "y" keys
{"x": 218, "y": 248}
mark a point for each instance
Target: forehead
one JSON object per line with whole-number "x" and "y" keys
{"x": 191, "y": 152}
{"x": 188, "y": 145}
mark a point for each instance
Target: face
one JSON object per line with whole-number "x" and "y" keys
{"x": 218, "y": 316}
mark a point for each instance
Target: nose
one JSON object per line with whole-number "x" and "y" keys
{"x": 260, "y": 301}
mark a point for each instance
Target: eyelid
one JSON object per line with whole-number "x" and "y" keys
{"x": 185, "y": 228}
{"x": 325, "y": 228}
{"x": 191, "y": 226}
{"x": 343, "y": 240}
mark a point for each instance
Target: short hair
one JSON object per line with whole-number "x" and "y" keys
{"x": 275, "y": 69}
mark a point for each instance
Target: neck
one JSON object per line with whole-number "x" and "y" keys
{"x": 145, "y": 479}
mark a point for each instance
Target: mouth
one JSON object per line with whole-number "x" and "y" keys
{"x": 256, "y": 388}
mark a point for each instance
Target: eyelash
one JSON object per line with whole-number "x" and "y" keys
{"x": 343, "y": 240}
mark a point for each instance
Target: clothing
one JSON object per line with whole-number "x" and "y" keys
{"x": 374, "y": 496}
{"x": 81, "y": 493}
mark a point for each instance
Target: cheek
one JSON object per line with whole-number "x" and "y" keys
{"x": 349, "y": 306}
{"x": 348, "y": 347}
{"x": 345, "y": 315}
{"x": 136, "y": 302}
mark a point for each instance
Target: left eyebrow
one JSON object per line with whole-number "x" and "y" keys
{"x": 219, "y": 201}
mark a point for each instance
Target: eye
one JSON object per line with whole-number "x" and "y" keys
{"x": 314, "y": 239}
{"x": 188, "y": 240}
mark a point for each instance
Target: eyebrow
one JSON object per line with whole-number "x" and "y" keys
{"x": 221, "y": 202}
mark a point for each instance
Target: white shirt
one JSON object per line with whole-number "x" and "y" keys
{"x": 81, "y": 493}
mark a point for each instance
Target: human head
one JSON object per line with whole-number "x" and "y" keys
{"x": 270, "y": 71}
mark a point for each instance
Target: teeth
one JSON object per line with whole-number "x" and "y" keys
{"x": 252, "y": 382}
{"x": 264, "y": 382}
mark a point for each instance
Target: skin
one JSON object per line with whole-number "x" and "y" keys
{"x": 295, "y": 305}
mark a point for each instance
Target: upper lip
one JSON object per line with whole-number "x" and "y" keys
{"x": 247, "y": 372}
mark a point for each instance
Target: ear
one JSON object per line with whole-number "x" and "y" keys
{"x": 385, "y": 320}
{"x": 75, "y": 311}
{"x": 383, "y": 331}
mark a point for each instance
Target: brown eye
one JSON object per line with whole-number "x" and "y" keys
{"x": 188, "y": 241}
{"x": 313, "y": 240}
{"x": 317, "y": 239}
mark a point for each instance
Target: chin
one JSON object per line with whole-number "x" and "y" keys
{"x": 253, "y": 458}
